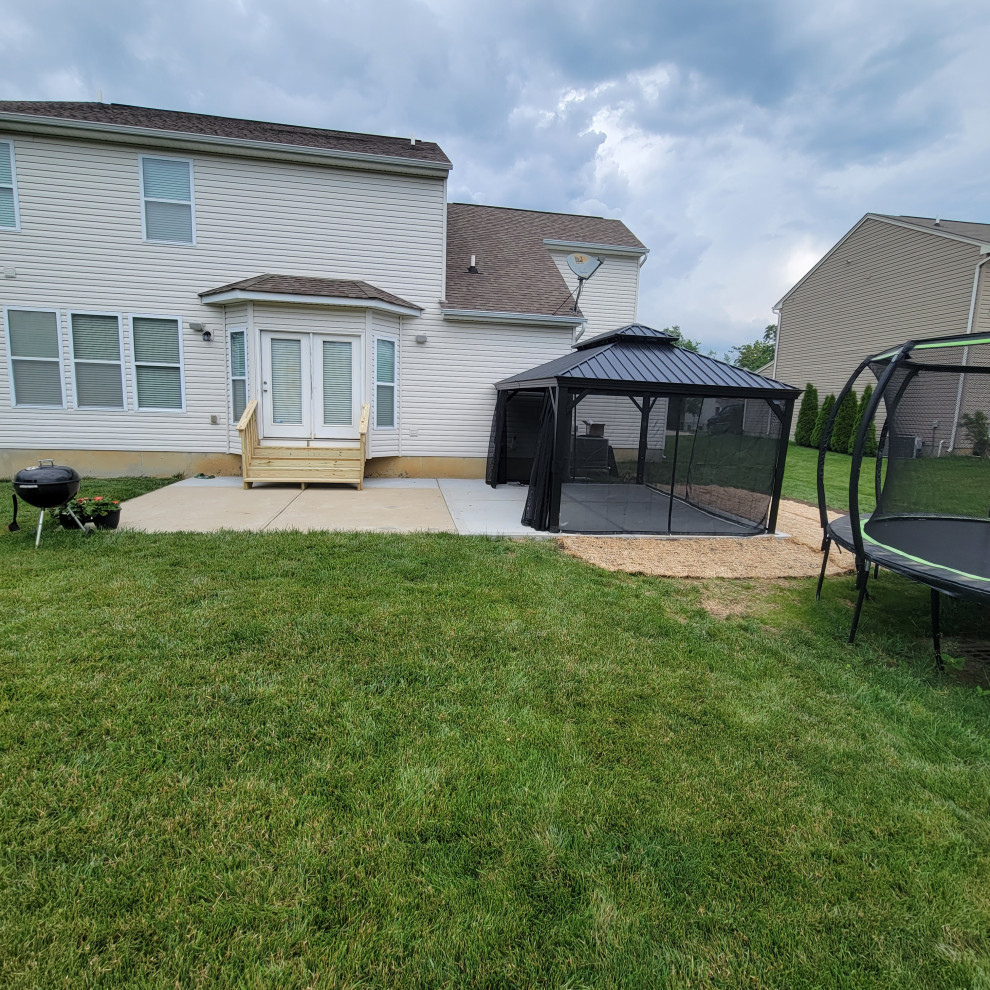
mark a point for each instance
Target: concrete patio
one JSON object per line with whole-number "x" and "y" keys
{"x": 386, "y": 505}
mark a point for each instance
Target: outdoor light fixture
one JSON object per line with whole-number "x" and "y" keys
{"x": 421, "y": 338}
{"x": 199, "y": 328}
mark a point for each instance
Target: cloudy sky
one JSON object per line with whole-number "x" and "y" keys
{"x": 739, "y": 140}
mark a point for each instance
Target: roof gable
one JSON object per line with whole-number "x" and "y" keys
{"x": 977, "y": 234}
{"x": 516, "y": 271}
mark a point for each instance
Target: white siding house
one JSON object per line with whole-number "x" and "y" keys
{"x": 160, "y": 270}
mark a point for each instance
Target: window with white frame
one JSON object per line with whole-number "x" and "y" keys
{"x": 35, "y": 357}
{"x": 96, "y": 360}
{"x": 238, "y": 374}
{"x": 9, "y": 217}
{"x": 385, "y": 351}
{"x": 157, "y": 362}
{"x": 167, "y": 192}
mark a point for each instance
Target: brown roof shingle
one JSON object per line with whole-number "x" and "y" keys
{"x": 302, "y": 285}
{"x": 516, "y": 273}
{"x": 962, "y": 228}
{"x": 122, "y": 115}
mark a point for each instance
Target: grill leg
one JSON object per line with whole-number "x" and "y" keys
{"x": 41, "y": 519}
{"x": 937, "y": 632}
{"x": 821, "y": 576}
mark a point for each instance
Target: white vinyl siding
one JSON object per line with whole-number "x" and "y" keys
{"x": 97, "y": 360}
{"x": 9, "y": 212}
{"x": 167, "y": 196}
{"x": 238, "y": 373}
{"x": 386, "y": 350}
{"x": 35, "y": 352}
{"x": 157, "y": 349}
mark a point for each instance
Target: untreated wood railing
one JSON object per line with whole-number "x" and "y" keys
{"x": 247, "y": 427}
{"x": 363, "y": 437}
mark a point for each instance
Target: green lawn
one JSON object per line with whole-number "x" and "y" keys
{"x": 801, "y": 471}
{"x": 292, "y": 760}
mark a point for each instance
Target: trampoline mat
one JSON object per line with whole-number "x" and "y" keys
{"x": 622, "y": 508}
{"x": 951, "y": 554}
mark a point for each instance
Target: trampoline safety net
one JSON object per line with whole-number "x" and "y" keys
{"x": 933, "y": 425}
{"x": 668, "y": 465}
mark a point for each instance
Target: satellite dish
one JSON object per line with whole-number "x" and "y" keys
{"x": 583, "y": 265}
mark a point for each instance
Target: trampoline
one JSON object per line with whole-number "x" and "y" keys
{"x": 927, "y": 513}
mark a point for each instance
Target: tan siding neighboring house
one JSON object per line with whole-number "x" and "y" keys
{"x": 888, "y": 280}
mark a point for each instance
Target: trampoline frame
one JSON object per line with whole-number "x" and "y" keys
{"x": 850, "y": 532}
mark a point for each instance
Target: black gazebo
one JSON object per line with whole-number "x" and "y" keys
{"x": 630, "y": 433}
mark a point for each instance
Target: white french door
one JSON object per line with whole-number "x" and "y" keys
{"x": 311, "y": 386}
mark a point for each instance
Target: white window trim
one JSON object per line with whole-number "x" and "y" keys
{"x": 10, "y": 357}
{"x": 17, "y": 209}
{"x": 374, "y": 381}
{"x": 72, "y": 357}
{"x": 152, "y": 199}
{"x": 134, "y": 364}
{"x": 230, "y": 370}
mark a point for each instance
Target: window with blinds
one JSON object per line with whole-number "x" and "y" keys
{"x": 238, "y": 374}
{"x": 9, "y": 217}
{"x": 157, "y": 362}
{"x": 384, "y": 383}
{"x": 35, "y": 357}
{"x": 338, "y": 383}
{"x": 166, "y": 189}
{"x": 96, "y": 361}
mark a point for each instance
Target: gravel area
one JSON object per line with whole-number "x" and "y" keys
{"x": 795, "y": 555}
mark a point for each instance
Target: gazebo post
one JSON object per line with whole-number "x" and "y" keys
{"x": 644, "y": 427}
{"x": 778, "y": 473}
{"x": 561, "y": 454}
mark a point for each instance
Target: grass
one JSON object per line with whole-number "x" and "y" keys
{"x": 801, "y": 472}
{"x": 302, "y": 760}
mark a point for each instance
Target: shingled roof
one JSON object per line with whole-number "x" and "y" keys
{"x": 235, "y": 129}
{"x": 301, "y": 285}
{"x": 516, "y": 273}
{"x": 979, "y": 232}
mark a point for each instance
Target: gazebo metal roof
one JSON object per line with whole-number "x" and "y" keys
{"x": 637, "y": 359}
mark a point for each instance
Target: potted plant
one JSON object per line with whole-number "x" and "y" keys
{"x": 103, "y": 513}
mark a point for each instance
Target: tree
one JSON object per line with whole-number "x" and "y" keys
{"x": 869, "y": 448}
{"x": 844, "y": 420}
{"x": 977, "y": 429}
{"x": 755, "y": 355}
{"x": 681, "y": 341}
{"x": 823, "y": 415}
{"x": 807, "y": 416}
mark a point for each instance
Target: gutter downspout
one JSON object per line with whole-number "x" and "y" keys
{"x": 985, "y": 250}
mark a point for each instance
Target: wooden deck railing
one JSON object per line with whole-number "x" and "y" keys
{"x": 363, "y": 437}
{"x": 247, "y": 427}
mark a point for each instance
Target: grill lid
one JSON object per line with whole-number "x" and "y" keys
{"x": 45, "y": 474}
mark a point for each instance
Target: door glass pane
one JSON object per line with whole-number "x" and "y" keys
{"x": 286, "y": 383}
{"x": 337, "y": 383}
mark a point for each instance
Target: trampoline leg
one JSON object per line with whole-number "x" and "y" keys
{"x": 876, "y": 571}
{"x": 821, "y": 575}
{"x": 861, "y": 579}
{"x": 937, "y": 632}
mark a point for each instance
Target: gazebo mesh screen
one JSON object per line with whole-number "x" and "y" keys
{"x": 934, "y": 425}
{"x": 669, "y": 464}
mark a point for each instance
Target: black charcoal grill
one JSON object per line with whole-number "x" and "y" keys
{"x": 46, "y": 486}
